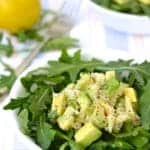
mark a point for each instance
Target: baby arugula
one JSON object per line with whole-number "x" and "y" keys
{"x": 37, "y": 121}
{"x": 6, "y": 81}
{"x": 6, "y": 49}
{"x": 59, "y": 43}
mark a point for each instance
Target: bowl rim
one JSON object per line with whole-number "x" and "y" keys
{"x": 118, "y": 14}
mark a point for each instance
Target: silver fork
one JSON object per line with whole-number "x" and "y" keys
{"x": 60, "y": 25}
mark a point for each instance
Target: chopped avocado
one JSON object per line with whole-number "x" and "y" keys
{"x": 71, "y": 92}
{"x": 110, "y": 75}
{"x": 59, "y": 103}
{"x": 83, "y": 101}
{"x": 96, "y": 101}
{"x": 130, "y": 92}
{"x": 128, "y": 105}
{"x": 98, "y": 117}
{"x": 111, "y": 123}
{"x": 93, "y": 91}
{"x": 111, "y": 86}
{"x": 66, "y": 121}
{"x": 84, "y": 81}
{"x": 99, "y": 78}
{"x": 73, "y": 103}
{"x": 87, "y": 134}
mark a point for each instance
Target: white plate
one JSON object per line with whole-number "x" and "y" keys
{"x": 120, "y": 21}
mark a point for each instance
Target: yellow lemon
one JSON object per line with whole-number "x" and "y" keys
{"x": 17, "y": 15}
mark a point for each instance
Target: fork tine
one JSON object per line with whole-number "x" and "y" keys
{"x": 71, "y": 8}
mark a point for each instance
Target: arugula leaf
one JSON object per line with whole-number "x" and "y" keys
{"x": 144, "y": 105}
{"x": 6, "y": 81}
{"x": 75, "y": 146}
{"x": 45, "y": 135}
{"x": 66, "y": 58}
{"x": 41, "y": 78}
{"x": 17, "y": 103}
{"x": 6, "y": 49}
{"x": 71, "y": 65}
{"x": 64, "y": 146}
{"x": 60, "y": 43}
{"x": 39, "y": 100}
{"x": 100, "y": 145}
{"x": 1, "y": 36}
{"x": 23, "y": 119}
{"x": 72, "y": 69}
{"x": 32, "y": 34}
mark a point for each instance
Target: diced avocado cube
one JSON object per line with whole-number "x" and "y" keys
{"x": 84, "y": 81}
{"x": 59, "y": 103}
{"x": 131, "y": 93}
{"x": 128, "y": 105}
{"x": 84, "y": 101}
{"x": 99, "y": 78}
{"x": 70, "y": 91}
{"x": 87, "y": 134}
{"x": 93, "y": 91}
{"x": 70, "y": 111}
{"x": 110, "y": 75}
{"x": 98, "y": 117}
{"x": 66, "y": 121}
{"x": 111, "y": 86}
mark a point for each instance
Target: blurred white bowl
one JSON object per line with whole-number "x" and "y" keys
{"x": 132, "y": 24}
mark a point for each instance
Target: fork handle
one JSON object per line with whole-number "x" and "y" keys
{"x": 34, "y": 52}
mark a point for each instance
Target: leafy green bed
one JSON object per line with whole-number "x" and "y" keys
{"x": 129, "y": 6}
{"x": 37, "y": 121}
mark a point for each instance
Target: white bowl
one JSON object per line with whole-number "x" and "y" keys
{"x": 18, "y": 90}
{"x": 132, "y": 24}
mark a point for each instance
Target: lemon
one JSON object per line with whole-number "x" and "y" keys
{"x": 17, "y": 15}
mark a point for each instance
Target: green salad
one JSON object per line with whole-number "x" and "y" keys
{"x": 138, "y": 7}
{"x": 79, "y": 104}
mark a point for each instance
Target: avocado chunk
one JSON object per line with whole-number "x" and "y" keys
{"x": 130, "y": 93}
{"x": 83, "y": 101}
{"x": 87, "y": 134}
{"x": 66, "y": 120}
{"x": 59, "y": 103}
{"x": 110, "y": 75}
{"x": 98, "y": 117}
{"x": 112, "y": 86}
{"x": 84, "y": 81}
